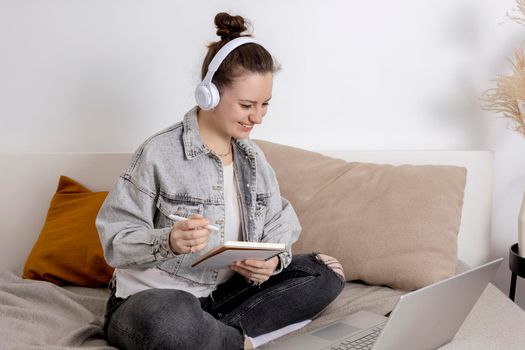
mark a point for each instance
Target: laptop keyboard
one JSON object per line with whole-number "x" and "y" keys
{"x": 363, "y": 343}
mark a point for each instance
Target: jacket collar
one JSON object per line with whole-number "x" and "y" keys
{"x": 192, "y": 141}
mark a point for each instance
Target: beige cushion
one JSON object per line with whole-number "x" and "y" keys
{"x": 388, "y": 225}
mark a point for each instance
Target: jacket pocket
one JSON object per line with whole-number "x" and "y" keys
{"x": 168, "y": 207}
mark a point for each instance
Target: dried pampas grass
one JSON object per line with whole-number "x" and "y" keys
{"x": 508, "y": 98}
{"x": 520, "y": 18}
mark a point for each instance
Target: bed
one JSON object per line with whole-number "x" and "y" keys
{"x": 37, "y": 314}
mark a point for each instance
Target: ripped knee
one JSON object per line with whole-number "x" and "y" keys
{"x": 332, "y": 263}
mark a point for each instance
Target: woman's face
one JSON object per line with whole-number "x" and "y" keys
{"x": 243, "y": 104}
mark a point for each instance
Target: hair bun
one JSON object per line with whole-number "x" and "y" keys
{"x": 229, "y": 27}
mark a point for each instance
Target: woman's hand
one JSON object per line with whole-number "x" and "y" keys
{"x": 190, "y": 235}
{"x": 257, "y": 271}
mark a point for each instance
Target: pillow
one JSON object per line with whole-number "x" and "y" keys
{"x": 68, "y": 250}
{"x": 387, "y": 225}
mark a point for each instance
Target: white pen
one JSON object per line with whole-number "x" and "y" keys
{"x": 180, "y": 218}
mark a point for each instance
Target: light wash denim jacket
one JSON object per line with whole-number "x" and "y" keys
{"x": 174, "y": 172}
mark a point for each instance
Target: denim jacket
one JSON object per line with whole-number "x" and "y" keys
{"x": 174, "y": 172}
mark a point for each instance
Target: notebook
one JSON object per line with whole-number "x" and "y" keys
{"x": 227, "y": 253}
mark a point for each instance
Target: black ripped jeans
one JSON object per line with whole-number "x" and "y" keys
{"x": 175, "y": 319}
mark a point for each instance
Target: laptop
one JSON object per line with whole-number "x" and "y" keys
{"x": 423, "y": 319}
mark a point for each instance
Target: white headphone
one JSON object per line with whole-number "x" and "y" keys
{"x": 206, "y": 94}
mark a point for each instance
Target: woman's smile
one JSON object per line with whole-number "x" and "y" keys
{"x": 246, "y": 127}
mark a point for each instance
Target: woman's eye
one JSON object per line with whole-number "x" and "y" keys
{"x": 266, "y": 104}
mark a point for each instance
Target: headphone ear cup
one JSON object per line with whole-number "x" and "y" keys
{"x": 215, "y": 96}
{"x": 203, "y": 97}
{"x": 207, "y": 96}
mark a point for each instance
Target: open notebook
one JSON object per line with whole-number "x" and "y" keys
{"x": 227, "y": 253}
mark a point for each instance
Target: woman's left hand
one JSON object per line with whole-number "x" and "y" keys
{"x": 257, "y": 271}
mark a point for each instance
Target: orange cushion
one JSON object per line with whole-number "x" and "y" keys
{"x": 68, "y": 250}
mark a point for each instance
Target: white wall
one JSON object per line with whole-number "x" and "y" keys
{"x": 104, "y": 75}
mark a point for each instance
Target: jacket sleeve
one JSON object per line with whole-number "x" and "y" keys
{"x": 125, "y": 221}
{"x": 282, "y": 227}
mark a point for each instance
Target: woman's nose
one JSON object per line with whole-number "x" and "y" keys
{"x": 256, "y": 116}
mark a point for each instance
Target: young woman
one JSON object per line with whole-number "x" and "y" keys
{"x": 206, "y": 169}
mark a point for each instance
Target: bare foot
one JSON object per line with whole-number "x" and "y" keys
{"x": 247, "y": 344}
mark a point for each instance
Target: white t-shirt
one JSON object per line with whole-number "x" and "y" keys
{"x": 131, "y": 281}
{"x": 232, "y": 224}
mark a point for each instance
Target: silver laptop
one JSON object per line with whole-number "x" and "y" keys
{"x": 424, "y": 319}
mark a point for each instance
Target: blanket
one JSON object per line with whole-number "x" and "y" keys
{"x": 41, "y": 315}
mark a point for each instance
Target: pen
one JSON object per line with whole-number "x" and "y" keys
{"x": 180, "y": 218}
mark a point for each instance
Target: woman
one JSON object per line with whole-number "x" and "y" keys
{"x": 206, "y": 169}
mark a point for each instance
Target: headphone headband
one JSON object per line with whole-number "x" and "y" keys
{"x": 206, "y": 93}
{"x": 226, "y": 49}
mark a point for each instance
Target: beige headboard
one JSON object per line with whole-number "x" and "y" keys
{"x": 29, "y": 181}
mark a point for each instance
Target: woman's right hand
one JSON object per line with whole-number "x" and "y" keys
{"x": 190, "y": 235}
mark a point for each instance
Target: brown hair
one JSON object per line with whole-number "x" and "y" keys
{"x": 248, "y": 57}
